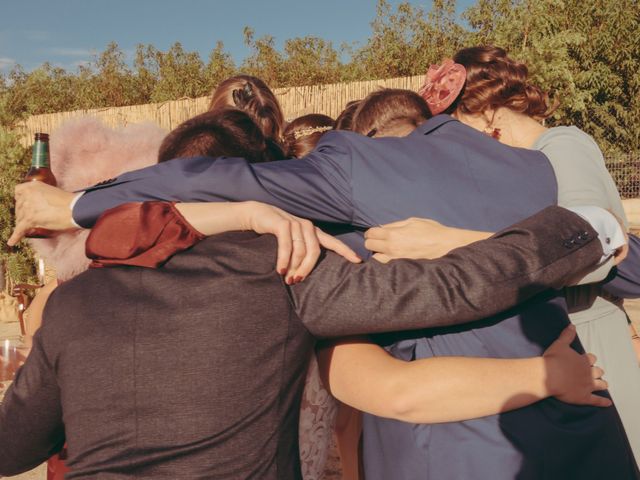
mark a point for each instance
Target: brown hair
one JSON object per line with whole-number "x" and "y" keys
{"x": 253, "y": 96}
{"x": 387, "y": 108}
{"x": 494, "y": 80}
{"x": 226, "y": 132}
{"x": 345, "y": 119}
{"x": 302, "y": 135}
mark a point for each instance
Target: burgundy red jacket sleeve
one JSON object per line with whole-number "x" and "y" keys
{"x": 140, "y": 234}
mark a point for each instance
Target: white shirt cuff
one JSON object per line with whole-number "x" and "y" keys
{"x": 609, "y": 230}
{"x": 73, "y": 204}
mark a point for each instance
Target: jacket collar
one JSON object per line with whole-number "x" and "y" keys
{"x": 433, "y": 124}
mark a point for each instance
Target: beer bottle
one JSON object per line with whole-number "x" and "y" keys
{"x": 40, "y": 171}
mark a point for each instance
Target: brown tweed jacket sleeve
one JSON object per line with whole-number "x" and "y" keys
{"x": 545, "y": 251}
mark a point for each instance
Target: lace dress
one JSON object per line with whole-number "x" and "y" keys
{"x": 317, "y": 417}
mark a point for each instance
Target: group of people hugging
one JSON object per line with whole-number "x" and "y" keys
{"x": 481, "y": 377}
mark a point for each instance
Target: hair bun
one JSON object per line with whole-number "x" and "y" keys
{"x": 494, "y": 80}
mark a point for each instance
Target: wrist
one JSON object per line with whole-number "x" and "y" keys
{"x": 546, "y": 383}
{"x": 73, "y": 200}
{"x": 244, "y": 212}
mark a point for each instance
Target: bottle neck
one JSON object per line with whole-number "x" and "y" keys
{"x": 40, "y": 156}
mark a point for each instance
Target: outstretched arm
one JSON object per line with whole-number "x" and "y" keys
{"x": 450, "y": 389}
{"x": 544, "y": 251}
{"x": 317, "y": 187}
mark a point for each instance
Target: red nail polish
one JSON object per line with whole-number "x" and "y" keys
{"x": 297, "y": 279}
{"x": 283, "y": 271}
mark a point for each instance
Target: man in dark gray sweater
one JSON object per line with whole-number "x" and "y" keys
{"x": 195, "y": 370}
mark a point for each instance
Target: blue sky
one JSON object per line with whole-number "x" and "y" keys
{"x": 67, "y": 32}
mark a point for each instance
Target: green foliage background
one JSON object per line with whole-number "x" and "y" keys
{"x": 585, "y": 52}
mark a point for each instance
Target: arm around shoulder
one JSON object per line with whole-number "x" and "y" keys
{"x": 547, "y": 250}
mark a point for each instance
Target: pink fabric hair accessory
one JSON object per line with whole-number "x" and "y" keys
{"x": 442, "y": 85}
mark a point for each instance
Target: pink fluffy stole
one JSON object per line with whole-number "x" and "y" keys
{"x": 84, "y": 151}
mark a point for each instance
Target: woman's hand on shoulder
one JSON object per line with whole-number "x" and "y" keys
{"x": 299, "y": 241}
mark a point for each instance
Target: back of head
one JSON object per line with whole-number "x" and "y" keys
{"x": 302, "y": 135}
{"x": 225, "y": 132}
{"x": 253, "y": 96}
{"x": 345, "y": 119}
{"x": 389, "y": 110}
{"x": 494, "y": 80}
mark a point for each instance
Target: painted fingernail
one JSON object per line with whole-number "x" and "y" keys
{"x": 298, "y": 279}
{"x": 289, "y": 281}
{"x": 283, "y": 271}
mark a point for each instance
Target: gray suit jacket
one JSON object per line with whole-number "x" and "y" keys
{"x": 195, "y": 370}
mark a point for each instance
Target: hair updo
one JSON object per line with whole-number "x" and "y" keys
{"x": 494, "y": 80}
{"x": 251, "y": 95}
{"x": 303, "y": 134}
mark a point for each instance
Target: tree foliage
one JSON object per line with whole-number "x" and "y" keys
{"x": 584, "y": 51}
{"x": 14, "y": 162}
{"x": 407, "y": 41}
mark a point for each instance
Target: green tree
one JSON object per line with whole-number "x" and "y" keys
{"x": 112, "y": 82}
{"x": 219, "y": 67}
{"x": 14, "y": 162}
{"x": 406, "y": 41}
{"x": 585, "y": 51}
{"x": 310, "y": 61}
{"x": 264, "y": 61}
{"x": 180, "y": 74}
{"x": 146, "y": 71}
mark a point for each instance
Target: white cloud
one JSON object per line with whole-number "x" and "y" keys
{"x": 36, "y": 35}
{"x": 70, "y": 52}
{"x": 6, "y": 63}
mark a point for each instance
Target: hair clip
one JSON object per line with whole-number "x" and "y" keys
{"x": 242, "y": 96}
{"x": 303, "y": 132}
{"x": 442, "y": 85}
{"x": 372, "y": 132}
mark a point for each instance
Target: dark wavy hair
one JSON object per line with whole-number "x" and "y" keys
{"x": 225, "y": 132}
{"x": 252, "y": 95}
{"x": 494, "y": 80}
{"x": 345, "y": 119}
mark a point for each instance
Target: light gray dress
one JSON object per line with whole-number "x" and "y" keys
{"x": 599, "y": 318}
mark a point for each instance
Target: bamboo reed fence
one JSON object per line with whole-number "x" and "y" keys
{"x": 295, "y": 101}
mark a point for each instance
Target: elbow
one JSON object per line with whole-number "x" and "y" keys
{"x": 401, "y": 408}
{"x": 403, "y": 404}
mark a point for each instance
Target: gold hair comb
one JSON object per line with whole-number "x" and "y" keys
{"x": 303, "y": 132}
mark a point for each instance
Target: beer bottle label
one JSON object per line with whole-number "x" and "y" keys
{"x": 40, "y": 156}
